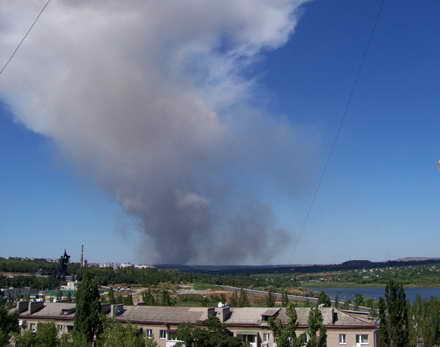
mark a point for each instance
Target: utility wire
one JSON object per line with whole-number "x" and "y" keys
{"x": 26, "y": 34}
{"x": 344, "y": 116}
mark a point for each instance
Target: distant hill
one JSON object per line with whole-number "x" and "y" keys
{"x": 360, "y": 263}
{"x": 418, "y": 259}
{"x": 299, "y": 268}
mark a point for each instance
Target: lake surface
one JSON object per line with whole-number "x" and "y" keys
{"x": 376, "y": 293}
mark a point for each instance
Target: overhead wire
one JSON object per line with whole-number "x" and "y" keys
{"x": 26, "y": 34}
{"x": 345, "y": 112}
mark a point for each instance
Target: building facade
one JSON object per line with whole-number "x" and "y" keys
{"x": 251, "y": 324}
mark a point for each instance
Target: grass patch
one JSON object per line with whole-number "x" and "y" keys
{"x": 204, "y": 286}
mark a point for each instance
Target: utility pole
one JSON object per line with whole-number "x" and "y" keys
{"x": 82, "y": 256}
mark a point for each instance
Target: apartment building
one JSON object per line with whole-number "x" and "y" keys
{"x": 251, "y": 324}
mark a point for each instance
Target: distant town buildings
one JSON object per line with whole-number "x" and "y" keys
{"x": 116, "y": 266}
{"x": 83, "y": 262}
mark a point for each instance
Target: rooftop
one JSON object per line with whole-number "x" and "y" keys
{"x": 164, "y": 314}
{"x": 238, "y": 316}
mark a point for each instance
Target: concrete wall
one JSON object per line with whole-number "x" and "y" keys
{"x": 63, "y": 326}
{"x": 333, "y": 337}
{"x": 156, "y": 332}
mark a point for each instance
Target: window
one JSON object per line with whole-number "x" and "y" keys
{"x": 59, "y": 327}
{"x": 247, "y": 338}
{"x": 362, "y": 339}
{"x": 163, "y": 334}
{"x": 149, "y": 332}
{"x": 265, "y": 337}
{"x": 342, "y": 339}
{"x": 70, "y": 328}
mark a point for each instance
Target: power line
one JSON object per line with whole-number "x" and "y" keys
{"x": 345, "y": 112}
{"x": 26, "y": 34}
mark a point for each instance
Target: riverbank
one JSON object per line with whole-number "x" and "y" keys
{"x": 363, "y": 285}
{"x": 350, "y": 293}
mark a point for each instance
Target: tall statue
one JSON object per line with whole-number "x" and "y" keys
{"x": 62, "y": 266}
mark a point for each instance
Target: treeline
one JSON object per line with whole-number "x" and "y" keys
{"x": 284, "y": 269}
{"x": 403, "y": 324}
{"x": 26, "y": 265}
{"x": 33, "y": 282}
{"x": 108, "y": 276}
{"x": 423, "y": 275}
{"x": 153, "y": 277}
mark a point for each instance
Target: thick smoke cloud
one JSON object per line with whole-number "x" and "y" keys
{"x": 156, "y": 101}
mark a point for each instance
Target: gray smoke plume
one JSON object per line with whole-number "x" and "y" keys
{"x": 156, "y": 101}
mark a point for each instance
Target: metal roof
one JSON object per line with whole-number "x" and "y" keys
{"x": 240, "y": 316}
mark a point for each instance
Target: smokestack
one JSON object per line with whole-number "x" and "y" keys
{"x": 22, "y": 306}
{"x": 224, "y": 312}
{"x": 334, "y": 316}
{"x": 82, "y": 256}
{"x": 35, "y": 306}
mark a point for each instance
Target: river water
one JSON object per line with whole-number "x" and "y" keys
{"x": 376, "y": 293}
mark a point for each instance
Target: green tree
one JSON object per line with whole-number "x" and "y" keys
{"x": 397, "y": 309}
{"x": 425, "y": 322}
{"x": 128, "y": 300}
{"x": 358, "y": 301}
{"x": 316, "y": 331}
{"x": 148, "y": 298}
{"x": 337, "y": 301}
{"x": 75, "y": 339}
{"x": 270, "y": 300}
{"x": 88, "y": 320}
{"x": 205, "y": 301}
{"x": 166, "y": 299}
{"x": 46, "y": 336}
{"x": 324, "y": 299}
{"x": 285, "y": 333}
{"x": 372, "y": 304}
{"x": 393, "y": 314}
{"x": 243, "y": 300}
{"x": 4, "y": 338}
{"x": 384, "y": 339}
{"x": 234, "y": 299}
{"x": 285, "y": 299}
{"x": 213, "y": 334}
{"x": 149, "y": 342}
{"x": 8, "y": 324}
{"x": 111, "y": 296}
{"x": 119, "y": 299}
{"x": 117, "y": 335}
{"x": 27, "y": 339}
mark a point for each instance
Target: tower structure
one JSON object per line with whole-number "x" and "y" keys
{"x": 82, "y": 256}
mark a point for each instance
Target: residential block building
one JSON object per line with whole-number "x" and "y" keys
{"x": 251, "y": 324}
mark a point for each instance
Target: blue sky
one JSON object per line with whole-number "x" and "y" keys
{"x": 379, "y": 199}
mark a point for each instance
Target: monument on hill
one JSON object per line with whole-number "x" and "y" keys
{"x": 62, "y": 266}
